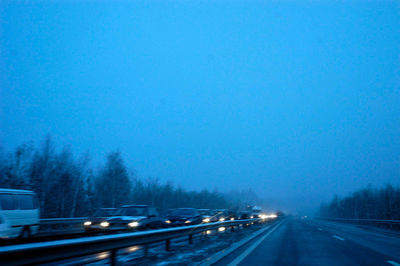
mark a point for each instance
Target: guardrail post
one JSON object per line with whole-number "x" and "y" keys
{"x": 232, "y": 228}
{"x": 168, "y": 245}
{"x": 113, "y": 257}
{"x": 190, "y": 239}
{"x": 145, "y": 250}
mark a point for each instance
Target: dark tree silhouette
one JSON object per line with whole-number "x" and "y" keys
{"x": 68, "y": 187}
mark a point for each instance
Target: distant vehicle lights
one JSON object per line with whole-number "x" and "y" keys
{"x": 206, "y": 220}
{"x": 268, "y": 216}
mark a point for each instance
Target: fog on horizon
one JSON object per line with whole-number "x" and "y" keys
{"x": 297, "y": 101}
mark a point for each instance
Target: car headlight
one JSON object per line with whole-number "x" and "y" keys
{"x": 133, "y": 224}
{"x": 87, "y": 223}
{"x": 168, "y": 221}
{"x": 251, "y": 217}
{"x": 105, "y": 224}
{"x": 221, "y": 219}
{"x": 188, "y": 222}
{"x": 264, "y": 216}
{"x": 232, "y": 219}
{"x": 206, "y": 220}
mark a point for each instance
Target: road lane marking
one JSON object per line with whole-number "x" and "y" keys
{"x": 338, "y": 237}
{"x": 320, "y": 229}
{"x": 393, "y": 263}
{"x": 252, "y": 247}
{"x": 217, "y": 257}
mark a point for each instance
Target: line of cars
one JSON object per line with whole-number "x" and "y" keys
{"x": 142, "y": 217}
{"x": 20, "y": 216}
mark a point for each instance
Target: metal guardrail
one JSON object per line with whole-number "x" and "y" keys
{"x": 388, "y": 223}
{"x": 46, "y": 252}
{"x": 62, "y": 220}
{"x": 61, "y": 225}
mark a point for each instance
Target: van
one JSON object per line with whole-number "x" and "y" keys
{"x": 19, "y": 213}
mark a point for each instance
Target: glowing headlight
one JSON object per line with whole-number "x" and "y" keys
{"x": 221, "y": 219}
{"x": 168, "y": 221}
{"x": 251, "y": 217}
{"x": 206, "y": 220}
{"x": 232, "y": 219}
{"x": 104, "y": 224}
{"x": 133, "y": 224}
{"x": 188, "y": 222}
{"x": 87, "y": 223}
{"x": 264, "y": 216}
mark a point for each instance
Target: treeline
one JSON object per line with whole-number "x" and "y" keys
{"x": 368, "y": 203}
{"x": 68, "y": 186}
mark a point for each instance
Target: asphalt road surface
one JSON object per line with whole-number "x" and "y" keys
{"x": 313, "y": 242}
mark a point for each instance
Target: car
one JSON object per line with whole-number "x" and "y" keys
{"x": 93, "y": 223}
{"x": 255, "y": 211}
{"x": 134, "y": 217}
{"x": 244, "y": 215}
{"x": 206, "y": 215}
{"x": 223, "y": 215}
{"x": 184, "y": 216}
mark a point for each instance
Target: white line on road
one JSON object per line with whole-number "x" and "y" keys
{"x": 252, "y": 247}
{"x": 217, "y": 257}
{"x": 338, "y": 237}
{"x": 393, "y": 263}
{"x": 320, "y": 229}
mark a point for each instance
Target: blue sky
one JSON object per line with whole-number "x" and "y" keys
{"x": 293, "y": 99}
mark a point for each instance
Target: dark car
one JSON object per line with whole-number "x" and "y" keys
{"x": 244, "y": 215}
{"x": 134, "y": 217}
{"x": 92, "y": 223}
{"x": 206, "y": 215}
{"x": 184, "y": 216}
{"x": 223, "y": 215}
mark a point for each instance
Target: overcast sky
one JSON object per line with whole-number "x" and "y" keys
{"x": 296, "y": 101}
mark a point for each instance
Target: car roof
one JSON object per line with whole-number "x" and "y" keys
{"x": 8, "y": 190}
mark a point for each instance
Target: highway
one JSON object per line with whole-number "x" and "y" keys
{"x": 314, "y": 242}
{"x": 285, "y": 241}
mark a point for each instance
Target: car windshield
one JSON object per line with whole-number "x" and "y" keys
{"x": 185, "y": 212}
{"x": 204, "y": 212}
{"x": 104, "y": 212}
{"x": 132, "y": 211}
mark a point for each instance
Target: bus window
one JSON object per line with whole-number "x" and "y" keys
{"x": 35, "y": 202}
{"x": 7, "y": 202}
{"x": 26, "y": 202}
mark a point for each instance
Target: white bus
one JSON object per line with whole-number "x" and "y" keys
{"x": 19, "y": 213}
